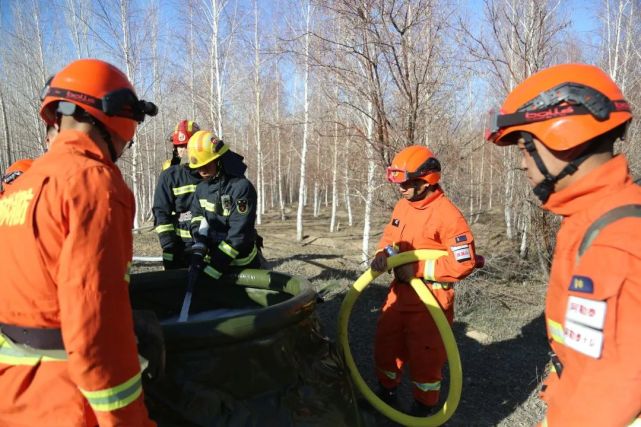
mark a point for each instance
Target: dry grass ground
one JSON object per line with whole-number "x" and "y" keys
{"x": 499, "y": 324}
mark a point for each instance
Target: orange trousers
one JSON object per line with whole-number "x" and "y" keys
{"x": 411, "y": 337}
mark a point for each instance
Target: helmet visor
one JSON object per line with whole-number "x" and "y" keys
{"x": 396, "y": 175}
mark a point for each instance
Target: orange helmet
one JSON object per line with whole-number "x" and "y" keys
{"x": 15, "y": 170}
{"x": 183, "y": 131}
{"x": 562, "y": 106}
{"x": 100, "y": 89}
{"x": 415, "y": 161}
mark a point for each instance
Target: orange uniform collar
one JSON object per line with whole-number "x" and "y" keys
{"x": 71, "y": 140}
{"x": 591, "y": 188}
{"x": 422, "y": 204}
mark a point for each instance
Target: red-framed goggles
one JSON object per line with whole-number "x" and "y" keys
{"x": 566, "y": 99}
{"x": 119, "y": 103}
{"x": 399, "y": 176}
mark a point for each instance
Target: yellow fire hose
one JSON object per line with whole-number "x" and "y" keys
{"x": 453, "y": 358}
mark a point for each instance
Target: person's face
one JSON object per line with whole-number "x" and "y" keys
{"x": 52, "y": 132}
{"x": 411, "y": 188}
{"x": 181, "y": 150}
{"x": 209, "y": 170}
{"x": 528, "y": 165}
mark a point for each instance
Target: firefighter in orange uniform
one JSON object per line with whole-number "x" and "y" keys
{"x": 406, "y": 333}
{"x": 67, "y": 345}
{"x": 565, "y": 120}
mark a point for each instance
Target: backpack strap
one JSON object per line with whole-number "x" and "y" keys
{"x": 604, "y": 220}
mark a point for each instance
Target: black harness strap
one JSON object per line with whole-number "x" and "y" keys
{"x": 625, "y": 211}
{"x": 40, "y": 338}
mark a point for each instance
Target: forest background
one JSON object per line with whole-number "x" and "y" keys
{"x": 318, "y": 95}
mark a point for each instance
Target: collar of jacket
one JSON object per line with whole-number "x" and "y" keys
{"x": 422, "y": 204}
{"x": 73, "y": 140}
{"x": 591, "y": 188}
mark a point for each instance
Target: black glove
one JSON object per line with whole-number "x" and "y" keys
{"x": 198, "y": 251}
{"x": 151, "y": 342}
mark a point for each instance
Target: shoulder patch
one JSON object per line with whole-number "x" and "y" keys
{"x": 581, "y": 284}
{"x": 461, "y": 238}
{"x": 396, "y": 222}
{"x": 241, "y": 206}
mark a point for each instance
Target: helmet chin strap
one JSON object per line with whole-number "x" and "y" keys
{"x": 419, "y": 196}
{"x": 545, "y": 188}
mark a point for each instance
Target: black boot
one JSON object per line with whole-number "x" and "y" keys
{"x": 419, "y": 409}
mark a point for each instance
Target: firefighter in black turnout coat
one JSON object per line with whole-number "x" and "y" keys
{"x": 223, "y": 208}
{"x": 172, "y": 201}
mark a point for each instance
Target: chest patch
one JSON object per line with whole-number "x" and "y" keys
{"x": 583, "y": 339}
{"x": 241, "y": 206}
{"x": 461, "y": 238}
{"x": 586, "y": 312}
{"x": 581, "y": 284}
{"x": 396, "y": 222}
{"x": 461, "y": 253}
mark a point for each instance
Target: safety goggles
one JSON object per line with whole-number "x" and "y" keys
{"x": 566, "y": 99}
{"x": 119, "y": 103}
{"x": 398, "y": 176}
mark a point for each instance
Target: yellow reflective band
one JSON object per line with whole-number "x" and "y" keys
{"x": 436, "y": 386}
{"x": 197, "y": 219}
{"x": 206, "y": 205}
{"x": 186, "y": 189}
{"x": 636, "y": 423}
{"x": 211, "y": 271}
{"x": 228, "y": 249}
{"x": 544, "y": 423}
{"x": 249, "y": 258}
{"x": 22, "y": 355}
{"x": 13, "y": 208}
{"x": 127, "y": 270}
{"x": 163, "y": 228}
{"x": 428, "y": 270}
{"x": 117, "y": 397}
{"x": 183, "y": 233}
{"x": 167, "y": 256}
{"x": 437, "y": 285}
{"x": 555, "y": 330}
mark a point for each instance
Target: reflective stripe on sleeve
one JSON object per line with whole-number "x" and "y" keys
{"x": 249, "y": 258}
{"x": 435, "y": 386}
{"x": 428, "y": 270}
{"x": 389, "y": 374}
{"x": 197, "y": 219}
{"x": 185, "y": 189}
{"x": 110, "y": 399}
{"x": 212, "y": 272}
{"x": 206, "y": 205}
{"x": 556, "y": 331}
{"x": 185, "y": 234}
{"x": 167, "y": 256}
{"x": 227, "y": 249}
{"x": 164, "y": 227}
{"x": 636, "y": 423}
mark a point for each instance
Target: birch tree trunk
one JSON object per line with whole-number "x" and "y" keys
{"x": 369, "y": 194}
{"x": 303, "y": 151}
{"x": 260, "y": 187}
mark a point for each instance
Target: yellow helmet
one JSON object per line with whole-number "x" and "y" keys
{"x": 204, "y": 147}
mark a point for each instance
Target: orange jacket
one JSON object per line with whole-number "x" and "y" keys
{"x": 431, "y": 223}
{"x": 65, "y": 242}
{"x": 593, "y": 307}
